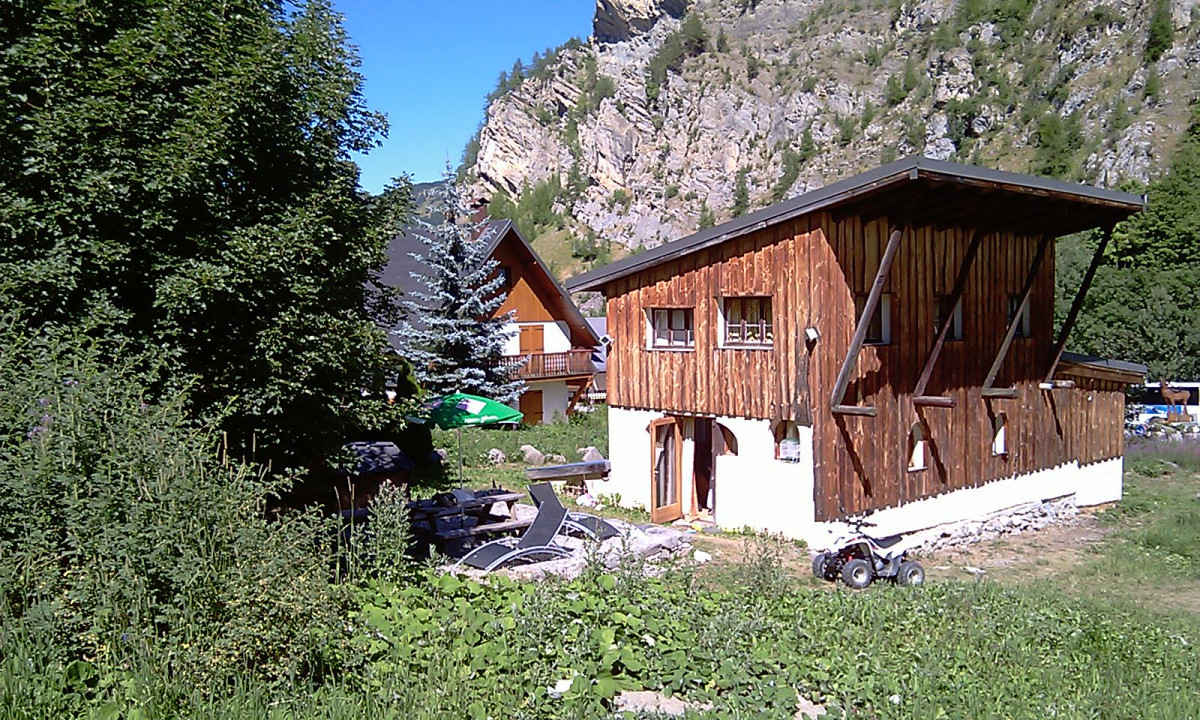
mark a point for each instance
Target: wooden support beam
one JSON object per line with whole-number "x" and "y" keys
{"x": 854, "y": 410}
{"x": 860, "y": 331}
{"x": 1026, "y": 291}
{"x": 934, "y": 401}
{"x": 991, "y": 392}
{"x": 1057, "y": 385}
{"x": 1077, "y": 303}
{"x": 960, "y": 285}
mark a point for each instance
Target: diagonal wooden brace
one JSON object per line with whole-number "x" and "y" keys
{"x": 960, "y": 285}
{"x": 1077, "y": 304}
{"x": 1030, "y": 280}
{"x": 860, "y": 332}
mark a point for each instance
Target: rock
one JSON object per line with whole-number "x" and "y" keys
{"x": 554, "y": 459}
{"x": 586, "y": 500}
{"x": 590, "y": 454}
{"x": 532, "y": 455}
{"x": 496, "y": 456}
{"x": 701, "y": 557}
{"x": 618, "y": 20}
{"x": 438, "y": 456}
{"x": 646, "y": 701}
{"x": 974, "y": 570}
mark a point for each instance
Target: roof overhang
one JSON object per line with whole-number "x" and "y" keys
{"x": 922, "y": 192}
{"x": 1128, "y": 373}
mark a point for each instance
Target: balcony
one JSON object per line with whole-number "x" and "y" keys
{"x": 539, "y": 366}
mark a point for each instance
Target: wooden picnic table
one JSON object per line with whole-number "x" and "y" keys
{"x": 468, "y": 517}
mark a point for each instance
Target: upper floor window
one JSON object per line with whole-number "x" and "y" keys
{"x": 1023, "y": 327}
{"x": 671, "y": 328}
{"x": 944, "y": 310}
{"x": 879, "y": 327}
{"x": 505, "y": 274}
{"x": 747, "y": 321}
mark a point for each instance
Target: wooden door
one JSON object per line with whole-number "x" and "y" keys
{"x": 533, "y": 339}
{"x": 530, "y": 406}
{"x": 666, "y": 458}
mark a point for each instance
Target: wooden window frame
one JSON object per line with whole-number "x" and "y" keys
{"x": 688, "y": 329}
{"x": 1024, "y": 329}
{"x": 882, "y": 317}
{"x": 954, "y": 333}
{"x": 765, "y": 324}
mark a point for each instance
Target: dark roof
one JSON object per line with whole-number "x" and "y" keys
{"x": 599, "y": 326}
{"x": 1105, "y": 364}
{"x": 952, "y": 195}
{"x": 369, "y": 458}
{"x": 401, "y": 265}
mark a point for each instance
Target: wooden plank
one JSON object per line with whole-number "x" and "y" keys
{"x": 860, "y": 332}
{"x": 998, "y": 362}
{"x": 960, "y": 284}
{"x": 1077, "y": 303}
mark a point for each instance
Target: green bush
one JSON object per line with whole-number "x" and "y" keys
{"x": 125, "y": 542}
{"x": 1161, "y": 33}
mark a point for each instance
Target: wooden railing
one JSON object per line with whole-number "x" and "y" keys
{"x": 548, "y": 365}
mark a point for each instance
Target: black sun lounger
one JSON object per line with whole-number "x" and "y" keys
{"x": 536, "y": 542}
{"x": 544, "y": 496}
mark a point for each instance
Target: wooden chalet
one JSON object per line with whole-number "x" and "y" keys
{"x": 885, "y": 343}
{"x": 549, "y": 343}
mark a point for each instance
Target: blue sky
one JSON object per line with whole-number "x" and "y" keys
{"x": 430, "y": 63}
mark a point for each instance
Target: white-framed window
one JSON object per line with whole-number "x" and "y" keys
{"x": 1023, "y": 327}
{"x": 671, "y": 328}
{"x": 879, "y": 326}
{"x": 944, "y": 310}
{"x": 746, "y": 321}
{"x": 918, "y": 448}
{"x": 1000, "y": 434}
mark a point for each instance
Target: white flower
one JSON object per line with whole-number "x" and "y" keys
{"x": 560, "y": 687}
{"x": 895, "y": 699}
{"x": 648, "y": 640}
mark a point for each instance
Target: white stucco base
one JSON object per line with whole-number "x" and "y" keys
{"x": 754, "y": 490}
{"x": 751, "y": 489}
{"x": 1088, "y": 484}
{"x": 555, "y": 398}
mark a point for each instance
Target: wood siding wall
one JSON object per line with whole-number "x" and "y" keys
{"x": 813, "y": 268}
{"x": 524, "y": 296}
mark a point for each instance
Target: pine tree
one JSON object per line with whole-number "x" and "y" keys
{"x": 457, "y": 346}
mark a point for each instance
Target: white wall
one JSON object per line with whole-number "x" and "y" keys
{"x": 755, "y": 490}
{"x": 628, "y": 456}
{"x": 556, "y": 336}
{"x": 555, "y": 397}
{"x": 1089, "y": 485}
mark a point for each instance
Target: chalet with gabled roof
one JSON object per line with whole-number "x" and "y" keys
{"x": 549, "y": 344}
{"x": 882, "y": 345}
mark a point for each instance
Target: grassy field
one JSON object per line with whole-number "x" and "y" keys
{"x": 1104, "y": 625}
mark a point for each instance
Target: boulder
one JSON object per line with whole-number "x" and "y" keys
{"x": 532, "y": 455}
{"x": 590, "y": 454}
{"x": 618, "y": 20}
{"x": 555, "y": 459}
{"x": 496, "y": 456}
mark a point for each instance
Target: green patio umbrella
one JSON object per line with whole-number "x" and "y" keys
{"x": 461, "y": 410}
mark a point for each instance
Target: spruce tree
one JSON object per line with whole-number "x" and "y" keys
{"x": 451, "y": 339}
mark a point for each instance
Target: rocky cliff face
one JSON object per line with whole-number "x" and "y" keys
{"x": 787, "y": 95}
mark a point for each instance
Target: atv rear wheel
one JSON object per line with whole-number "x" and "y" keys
{"x": 821, "y": 566}
{"x": 910, "y": 573}
{"x": 857, "y": 573}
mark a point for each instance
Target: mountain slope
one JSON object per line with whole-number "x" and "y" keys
{"x": 741, "y": 103}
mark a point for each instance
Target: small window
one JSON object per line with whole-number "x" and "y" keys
{"x": 879, "y": 327}
{"x": 505, "y": 274}
{"x": 1000, "y": 435}
{"x": 725, "y": 441}
{"x": 747, "y": 321}
{"x": 944, "y": 310}
{"x": 1014, "y": 302}
{"x": 671, "y": 328}
{"x": 918, "y": 448}
{"x": 787, "y": 441}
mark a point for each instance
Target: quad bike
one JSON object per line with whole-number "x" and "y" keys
{"x": 860, "y": 558}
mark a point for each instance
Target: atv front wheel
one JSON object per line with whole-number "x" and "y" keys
{"x": 821, "y": 566}
{"x": 910, "y": 573}
{"x": 857, "y": 573}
